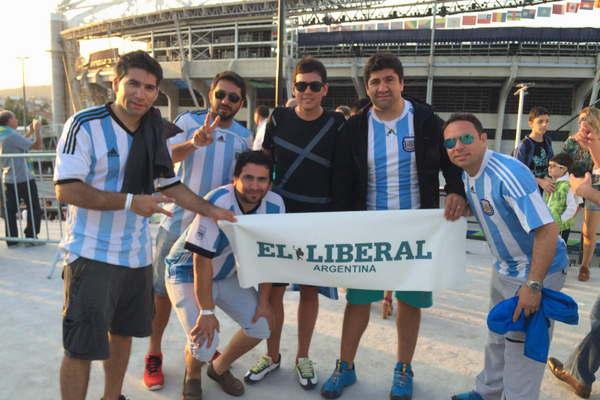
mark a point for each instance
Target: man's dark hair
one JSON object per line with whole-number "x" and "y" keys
{"x": 310, "y": 64}
{"x": 263, "y": 111}
{"x": 563, "y": 159}
{"x": 231, "y": 77}
{"x": 381, "y": 61}
{"x": 464, "y": 117}
{"x": 5, "y": 116}
{"x": 252, "y": 157}
{"x": 138, "y": 59}
{"x": 537, "y": 111}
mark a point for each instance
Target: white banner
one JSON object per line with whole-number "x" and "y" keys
{"x": 400, "y": 249}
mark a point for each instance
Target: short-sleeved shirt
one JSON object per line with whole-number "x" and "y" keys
{"x": 13, "y": 143}
{"x": 303, "y": 153}
{"x": 505, "y": 199}
{"x": 93, "y": 149}
{"x": 536, "y": 155}
{"x": 392, "y": 182}
{"x": 206, "y": 168}
{"x": 204, "y": 237}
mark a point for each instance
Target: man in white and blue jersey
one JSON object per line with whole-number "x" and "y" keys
{"x": 200, "y": 274}
{"x": 110, "y": 160}
{"x": 529, "y": 253}
{"x": 205, "y": 151}
{"x": 388, "y": 157}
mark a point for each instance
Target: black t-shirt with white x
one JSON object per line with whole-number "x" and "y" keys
{"x": 302, "y": 161}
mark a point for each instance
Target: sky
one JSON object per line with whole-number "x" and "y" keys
{"x": 26, "y": 33}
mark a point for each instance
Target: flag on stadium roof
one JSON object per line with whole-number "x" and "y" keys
{"x": 558, "y": 9}
{"x": 528, "y": 13}
{"x": 544, "y": 12}
{"x": 572, "y": 7}
{"x": 410, "y": 24}
{"x": 396, "y": 25}
{"x": 484, "y": 18}
{"x": 440, "y": 22}
{"x": 383, "y": 26}
{"x": 424, "y": 23}
{"x": 500, "y": 16}
{"x": 513, "y": 15}
{"x": 453, "y": 22}
{"x": 586, "y": 5}
{"x": 469, "y": 19}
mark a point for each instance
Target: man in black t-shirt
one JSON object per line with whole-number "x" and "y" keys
{"x": 301, "y": 141}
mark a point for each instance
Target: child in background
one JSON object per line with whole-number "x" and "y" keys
{"x": 562, "y": 202}
{"x": 536, "y": 149}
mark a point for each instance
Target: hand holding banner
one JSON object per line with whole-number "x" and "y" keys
{"x": 400, "y": 249}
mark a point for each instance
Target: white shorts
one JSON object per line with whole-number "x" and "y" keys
{"x": 237, "y": 302}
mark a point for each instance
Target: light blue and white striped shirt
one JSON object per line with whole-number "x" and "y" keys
{"x": 206, "y": 168}
{"x": 505, "y": 199}
{"x": 392, "y": 182}
{"x": 204, "y": 237}
{"x": 93, "y": 149}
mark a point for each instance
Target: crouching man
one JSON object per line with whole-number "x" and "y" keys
{"x": 200, "y": 274}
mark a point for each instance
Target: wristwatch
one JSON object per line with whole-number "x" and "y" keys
{"x": 534, "y": 285}
{"x": 207, "y": 312}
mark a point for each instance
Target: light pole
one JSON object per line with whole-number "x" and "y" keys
{"x": 280, "y": 49}
{"x": 23, "y": 59}
{"x": 521, "y": 92}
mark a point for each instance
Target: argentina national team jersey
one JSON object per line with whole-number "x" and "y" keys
{"x": 392, "y": 182}
{"x": 206, "y": 168}
{"x": 505, "y": 199}
{"x": 93, "y": 149}
{"x": 204, "y": 237}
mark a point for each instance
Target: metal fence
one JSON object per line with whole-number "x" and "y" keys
{"x": 31, "y": 214}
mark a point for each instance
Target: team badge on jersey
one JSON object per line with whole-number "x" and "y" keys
{"x": 486, "y": 206}
{"x": 408, "y": 144}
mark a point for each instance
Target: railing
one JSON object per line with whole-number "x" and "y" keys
{"x": 31, "y": 214}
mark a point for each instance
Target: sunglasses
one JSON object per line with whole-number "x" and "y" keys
{"x": 467, "y": 138}
{"x": 221, "y": 94}
{"x": 314, "y": 86}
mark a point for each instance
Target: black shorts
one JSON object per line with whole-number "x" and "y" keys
{"x": 102, "y": 298}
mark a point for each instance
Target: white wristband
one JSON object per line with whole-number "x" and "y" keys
{"x": 195, "y": 145}
{"x": 128, "y": 201}
{"x": 207, "y": 312}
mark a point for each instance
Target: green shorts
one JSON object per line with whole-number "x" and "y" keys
{"x": 415, "y": 299}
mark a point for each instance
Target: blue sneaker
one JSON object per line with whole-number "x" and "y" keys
{"x": 342, "y": 377}
{"x": 402, "y": 386}
{"x": 472, "y": 395}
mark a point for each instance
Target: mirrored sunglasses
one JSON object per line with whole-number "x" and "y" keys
{"x": 233, "y": 97}
{"x": 467, "y": 138}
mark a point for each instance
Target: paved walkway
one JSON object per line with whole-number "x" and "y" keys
{"x": 449, "y": 353}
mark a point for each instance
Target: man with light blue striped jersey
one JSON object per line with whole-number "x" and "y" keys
{"x": 110, "y": 160}
{"x": 200, "y": 274}
{"x": 524, "y": 240}
{"x": 205, "y": 151}
{"x": 389, "y": 157}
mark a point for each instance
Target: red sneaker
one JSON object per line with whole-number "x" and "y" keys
{"x": 153, "y": 376}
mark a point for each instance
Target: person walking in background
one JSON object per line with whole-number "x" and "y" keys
{"x": 261, "y": 117}
{"x": 581, "y": 147}
{"x": 19, "y": 183}
{"x": 535, "y": 150}
{"x": 562, "y": 202}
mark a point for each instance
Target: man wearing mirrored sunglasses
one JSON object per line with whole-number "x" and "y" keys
{"x": 301, "y": 140}
{"x": 524, "y": 239}
{"x": 388, "y": 157}
{"x": 206, "y": 150}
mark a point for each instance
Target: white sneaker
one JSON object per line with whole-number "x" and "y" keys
{"x": 261, "y": 369}
{"x": 307, "y": 375}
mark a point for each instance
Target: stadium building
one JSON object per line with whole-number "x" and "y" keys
{"x": 481, "y": 51}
